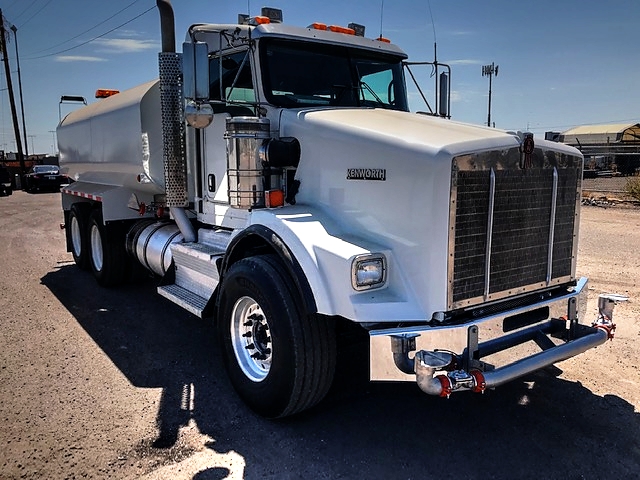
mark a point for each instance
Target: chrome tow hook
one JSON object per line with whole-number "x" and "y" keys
{"x": 428, "y": 363}
{"x": 606, "y": 304}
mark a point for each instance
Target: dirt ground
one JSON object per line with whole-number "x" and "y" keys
{"x": 122, "y": 384}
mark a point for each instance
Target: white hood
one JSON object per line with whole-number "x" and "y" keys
{"x": 386, "y": 176}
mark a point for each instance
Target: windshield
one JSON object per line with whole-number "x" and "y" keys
{"x": 297, "y": 74}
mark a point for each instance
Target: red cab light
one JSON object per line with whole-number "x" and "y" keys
{"x": 260, "y": 20}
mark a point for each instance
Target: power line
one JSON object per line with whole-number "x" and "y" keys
{"x": 23, "y": 12}
{"x": 86, "y": 31}
{"x": 94, "y": 38}
{"x": 36, "y": 13}
{"x": 16, "y": 1}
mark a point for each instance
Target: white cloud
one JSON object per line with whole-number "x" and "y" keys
{"x": 464, "y": 61}
{"x": 126, "y": 45}
{"x": 129, "y": 33}
{"x": 457, "y": 96}
{"x": 78, "y": 58}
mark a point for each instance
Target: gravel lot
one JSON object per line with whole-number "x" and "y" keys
{"x": 120, "y": 383}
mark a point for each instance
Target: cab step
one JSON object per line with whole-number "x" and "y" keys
{"x": 184, "y": 298}
{"x": 196, "y": 275}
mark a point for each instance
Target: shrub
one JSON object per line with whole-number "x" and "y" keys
{"x": 632, "y": 188}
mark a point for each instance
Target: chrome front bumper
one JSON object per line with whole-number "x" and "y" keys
{"x": 494, "y": 349}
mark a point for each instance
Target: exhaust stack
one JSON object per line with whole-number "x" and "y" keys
{"x": 175, "y": 167}
{"x": 167, "y": 29}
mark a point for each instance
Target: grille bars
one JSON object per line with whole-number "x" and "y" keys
{"x": 552, "y": 224}
{"x": 487, "y": 265}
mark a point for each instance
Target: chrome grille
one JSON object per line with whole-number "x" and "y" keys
{"x": 513, "y": 229}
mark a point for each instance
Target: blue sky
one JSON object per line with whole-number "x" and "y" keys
{"x": 562, "y": 63}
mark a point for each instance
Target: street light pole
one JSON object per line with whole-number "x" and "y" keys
{"x": 14, "y": 29}
{"x": 53, "y": 137}
{"x": 489, "y": 71}
{"x": 32, "y": 137}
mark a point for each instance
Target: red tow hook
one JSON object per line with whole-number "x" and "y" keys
{"x": 446, "y": 385}
{"x": 480, "y": 384}
{"x": 610, "y": 328}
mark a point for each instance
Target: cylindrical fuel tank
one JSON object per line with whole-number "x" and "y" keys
{"x": 245, "y": 136}
{"x": 149, "y": 242}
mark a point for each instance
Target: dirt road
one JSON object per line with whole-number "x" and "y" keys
{"x": 120, "y": 383}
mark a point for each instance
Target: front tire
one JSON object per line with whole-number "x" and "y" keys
{"x": 107, "y": 253}
{"x": 280, "y": 359}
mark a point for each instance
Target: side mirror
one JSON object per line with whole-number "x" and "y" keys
{"x": 195, "y": 70}
{"x": 444, "y": 95}
{"x": 195, "y": 76}
{"x": 198, "y": 114}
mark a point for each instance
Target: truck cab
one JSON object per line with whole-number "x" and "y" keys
{"x": 267, "y": 69}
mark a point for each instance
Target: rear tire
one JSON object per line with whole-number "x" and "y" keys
{"x": 107, "y": 255}
{"x": 280, "y": 359}
{"x": 78, "y": 218}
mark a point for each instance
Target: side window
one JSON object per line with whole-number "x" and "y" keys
{"x": 222, "y": 74}
{"x": 377, "y": 88}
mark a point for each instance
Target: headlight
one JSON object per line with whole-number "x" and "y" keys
{"x": 368, "y": 271}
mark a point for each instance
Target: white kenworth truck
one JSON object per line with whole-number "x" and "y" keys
{"x": 274, "y": 180}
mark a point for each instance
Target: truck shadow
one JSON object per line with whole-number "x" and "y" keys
{"x": 540, "y": 427}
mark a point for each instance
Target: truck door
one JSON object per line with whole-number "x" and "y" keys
{"x": 231, "y": 94}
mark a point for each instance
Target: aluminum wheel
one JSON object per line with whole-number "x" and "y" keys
{"x": 76, "y": 239}
{"x": 280, "y": 358}
{"x": 250, "y": 339}
{"x": 97, "y": 254}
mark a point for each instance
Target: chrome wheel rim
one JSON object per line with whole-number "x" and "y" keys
{"x": 75, "y": 236}
{"x": 96, "y": 248}
{"x": 251, "y": 339}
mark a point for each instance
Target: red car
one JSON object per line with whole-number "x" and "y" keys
{"x": 44, "y": 177}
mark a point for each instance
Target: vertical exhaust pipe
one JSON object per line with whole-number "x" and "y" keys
{"x": 167, "y": 29}
{"x": 175, "y": 167}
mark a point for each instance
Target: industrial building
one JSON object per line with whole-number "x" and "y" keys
{"x": 611, "y": 147}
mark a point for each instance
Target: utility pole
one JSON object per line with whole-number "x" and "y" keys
{"x": 14, "y": 114}
{"x": 14, "y": 29}
{"x": 489, "y": 71}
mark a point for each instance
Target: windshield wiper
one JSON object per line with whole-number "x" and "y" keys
{"x": 370, "y": 90}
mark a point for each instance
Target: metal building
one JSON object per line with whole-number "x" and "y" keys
{"x": 613, "y": 147}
